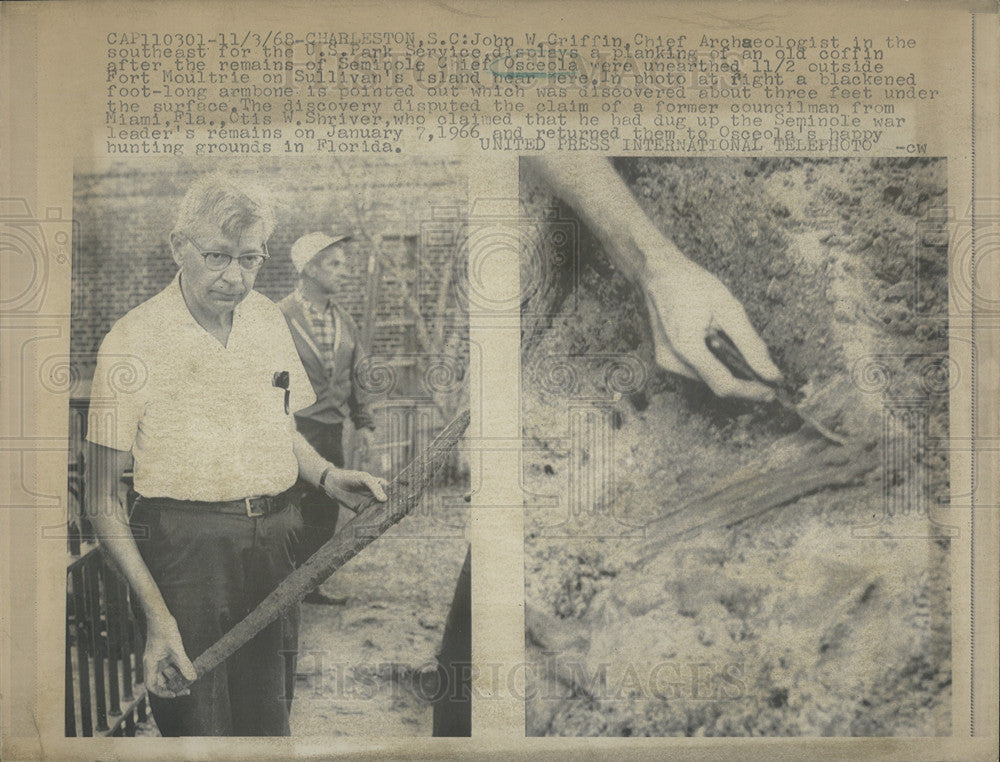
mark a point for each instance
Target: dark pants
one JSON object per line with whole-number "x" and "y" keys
{"x": 319, "y": 512}
{"x": 453, "y": 702}
{"x": 212, "y": 570}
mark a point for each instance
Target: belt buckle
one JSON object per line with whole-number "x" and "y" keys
{"x": 250, "y": 511}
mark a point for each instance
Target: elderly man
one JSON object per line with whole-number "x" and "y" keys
{"x": 329, "y": 345}
{"x": 216, "y": 455}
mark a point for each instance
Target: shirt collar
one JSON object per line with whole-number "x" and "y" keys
{"x": 308, "y": 306}
{"x": 174, "y": 299}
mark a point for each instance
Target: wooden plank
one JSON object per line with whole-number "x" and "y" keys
{"x": 751, "y": 493}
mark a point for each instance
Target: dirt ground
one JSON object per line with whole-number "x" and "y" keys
{"x": 827, "y": 614}
{"x": 366, "y": 667}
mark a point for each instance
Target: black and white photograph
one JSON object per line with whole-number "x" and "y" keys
{"x": 735, "y": 395}
{"x": 421, "y": 380}
{"x": 268, "y": 370}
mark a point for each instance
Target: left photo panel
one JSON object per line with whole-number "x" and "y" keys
{"x": 268, "y": 386}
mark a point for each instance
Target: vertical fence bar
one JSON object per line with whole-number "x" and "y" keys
{"x": 140, "y": 645}
{"x": 73, "y": 536}
{"x": 94, "y": 590}
{"x": 82, "y": 660}
{"x": 70, "y": 699}
{"x": 114, "y": 615}
{"x": 124, "y": 652}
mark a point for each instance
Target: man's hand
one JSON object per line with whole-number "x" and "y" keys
{"x": 167, "y": 668}
{"x": 684, "y": 300}
{"x": 684, "y": 304}
{"x": 355, "y": 481}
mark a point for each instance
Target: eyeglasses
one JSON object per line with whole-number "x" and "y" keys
{"x": 219, "y": 260}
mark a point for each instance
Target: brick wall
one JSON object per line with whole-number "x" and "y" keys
{"x": 126, "y": 210}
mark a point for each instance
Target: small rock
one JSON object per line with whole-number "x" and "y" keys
{"x": 898, "y": 313}
{"x": 891, "y": 193}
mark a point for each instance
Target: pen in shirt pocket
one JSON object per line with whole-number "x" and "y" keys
{"x": 281, "y": 380}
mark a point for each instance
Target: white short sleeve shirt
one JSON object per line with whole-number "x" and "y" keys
{"x": 203, "y": 421}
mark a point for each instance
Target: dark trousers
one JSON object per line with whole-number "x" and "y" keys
{"x": 453, "y": 700}
{"x": 319, "y": 512}
{"x": 212, "y": 570}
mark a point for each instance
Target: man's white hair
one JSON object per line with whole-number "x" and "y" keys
{"x": 230, "y": 202}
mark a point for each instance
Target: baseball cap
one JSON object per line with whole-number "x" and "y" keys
{"x": 308, "y": 246}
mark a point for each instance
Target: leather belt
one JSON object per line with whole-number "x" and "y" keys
{"x": 252, "y": 507}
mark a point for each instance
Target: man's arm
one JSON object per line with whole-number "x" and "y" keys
{"x": 685, "y": 301}
{"x": 597, "y": 193}
{"x": 358, "y": 400}
{"x": 165, "y": 662}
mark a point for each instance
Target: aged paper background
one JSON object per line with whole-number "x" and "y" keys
{"x": 55, "y": 85}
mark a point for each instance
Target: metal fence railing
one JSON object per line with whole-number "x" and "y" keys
{"x": 104, "y": 694}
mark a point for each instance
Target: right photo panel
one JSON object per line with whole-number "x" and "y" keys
{"x": 735, "y": 396}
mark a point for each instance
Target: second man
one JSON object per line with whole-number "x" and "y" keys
{"x": 329, "y": 345}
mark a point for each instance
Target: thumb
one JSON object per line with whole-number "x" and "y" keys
{"x": 375, "y": 486}
{"x": 186, "y": 668}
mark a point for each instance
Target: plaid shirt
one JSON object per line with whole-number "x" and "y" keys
{"x": 328, "y": 341}
{"x": 326, "y": 327}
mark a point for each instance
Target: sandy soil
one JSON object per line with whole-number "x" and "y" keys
{"x": 828, "y": 615}
{"x": 365, "y": 667}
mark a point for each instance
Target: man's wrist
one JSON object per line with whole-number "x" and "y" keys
{"x": 659, "y": 255}
{"x": 324, "y": 476}
{"x": 158, "y": 617}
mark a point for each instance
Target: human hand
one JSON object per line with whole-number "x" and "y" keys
{"x": 167, "y": 668}
{"x": 687, "y": 301}
{"x": 354, "y": 481}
